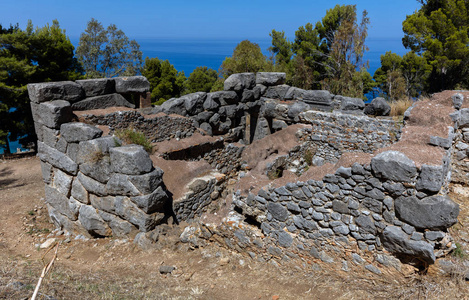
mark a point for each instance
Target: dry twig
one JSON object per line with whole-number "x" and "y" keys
{"x": 45, "y": 270}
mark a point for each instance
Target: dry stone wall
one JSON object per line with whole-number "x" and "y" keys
{"x": 98, "y": 187}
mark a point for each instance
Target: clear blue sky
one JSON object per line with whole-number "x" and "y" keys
{"x": 200, "y": 19}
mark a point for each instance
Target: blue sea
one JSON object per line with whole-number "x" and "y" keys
{"x": 188, "y": 54}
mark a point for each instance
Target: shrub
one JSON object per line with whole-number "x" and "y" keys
{"x": 131, "y": 136}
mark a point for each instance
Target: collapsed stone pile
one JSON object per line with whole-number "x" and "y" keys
{"x": 97, "y": 186}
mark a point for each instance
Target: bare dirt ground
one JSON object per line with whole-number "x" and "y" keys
{"x": 117, "y": 269}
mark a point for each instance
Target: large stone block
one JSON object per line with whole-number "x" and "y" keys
{"x": 430, "y": 179}
{"x": 194, "y": 102}
{"x": 56, "y": 158}
{"x": 93, "y": 150}
{"x": 59, "y": 201}
{"x": 101, "y": 102}
{"x": 79, "y": 193}
{"x": 92, "y": 222}
{"x": 134, "y": 84}
{"x": 222, "y": 98}
{"x": 130, "y": 160}
{"x": 277, "y": 92}
{"x": 119, "y": 184}
{"x": 435, "y": 213}
{"x": 130, "y": 212}
{"x": 270, "y": 78}
{"x": 48, "y": 91}
{"x": 174, "y": 106}
{"x": 91, "y": 185}
{"x": 98, "y": 167}
{"x": 77, "y": 132}
{"x": 240, "y": 81}
{"x": 348, "y": 103}
{"x": 62, "y": 182}
{"x": 97, "y": 87}
{"x": 153, "y": 202}
{"x": 319, "y": 99}
{"x": 119, "y": 227}
{"x": 396, "y": 241}
{"x": 378, "y": 107}
{"x": 393, "y": 165}
{"x": 148, "y": 182}
{"x": 55, "y": 113}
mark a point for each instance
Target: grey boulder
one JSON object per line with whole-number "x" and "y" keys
{"x": 133, "y": 84}
{"x": 378, "y": 107}
{"x": 77, "y": 132}
{"x": 270, "y": 78}
{"x": 101, "y": 102}
{"x": 435, "y": 213}
{"x": 63, "y": 90}
{"x": 398, "y": 242}
{"x": 98, "y": 86}
{"x": 393, "y": 165}
{"x": 240, "y": 81}
{"x": 130, "y": 160}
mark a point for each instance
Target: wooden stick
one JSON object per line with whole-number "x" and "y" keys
{"x": 45, "y": 270}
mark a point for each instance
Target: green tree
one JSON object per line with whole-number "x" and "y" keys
{"x": 327, "y": 55}
{"x": 201, "y": 79}
{"x": 438, "y": 32}
{"x": 108, "y": 52}
{"x": 402, "y": 76}
{"x": 165, "y": 81}
{"x": 247, "y": 57}
{"x": 26, "y": 56}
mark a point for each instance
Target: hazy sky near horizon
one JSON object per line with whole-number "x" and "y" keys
{"x": 242, "y": 19}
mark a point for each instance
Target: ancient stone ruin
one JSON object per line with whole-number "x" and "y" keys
{"x": 261, "y": 167}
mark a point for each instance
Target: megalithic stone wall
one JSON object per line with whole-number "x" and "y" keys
{"x": 95, "y": 186}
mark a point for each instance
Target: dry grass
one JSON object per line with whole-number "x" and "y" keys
{"x": 399, "y": 107}
{"x": 132, "y": 136}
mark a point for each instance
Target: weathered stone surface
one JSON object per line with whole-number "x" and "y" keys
{"x": 46, "y": 170}
{"x": 91, "y": 185}
{"x": 47, "y": 91}
{"x": 430, "y": 179}
{"x": 277, "y": 91}
{"x": 397, "y": 242}
{"x": 119, "y": 227}
{"x": 57, "y": 159}
{"x": 366, "y": 224}
{"x": 393, "y": 165}
{"x": 77, "y": 132}
{"x": 92, "y": 222}
{"x": 101, "y": 102}
{"x": 62, "y": 182}
{"x": 297, "y": 108}
{"x": 223, "y": 98}
{"x": 130, "y": 212}
{"x": 147, "y": 183}
{"x": 277, "y": 211}
{"x": 435, "y": 213}
{"x": 79, "y": 192}
{"x": 59, "y": 201}
{"x": 98, "y": 86}
{"x": 284, "y": 239}
{"x": 270, "y": 78}
{"x": 193, "y": 103}
{"x": 156, "y": 201}
{"x": 348, "y": 103}
{"x": 131, "y": 160}
{"x": 174, "y": 106}
{"x": 133, "y": 84}
{"x": 240, "y": 81}
{"x": 96, "y": 148}
{"x": 98, "y": 167}
{"x": 119, "y": 184}
{"x": 319, "y": 99}
{"x": 458, "y": 100}
{"x": 378, "y": 107}
{"x": 55, "y": 113}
